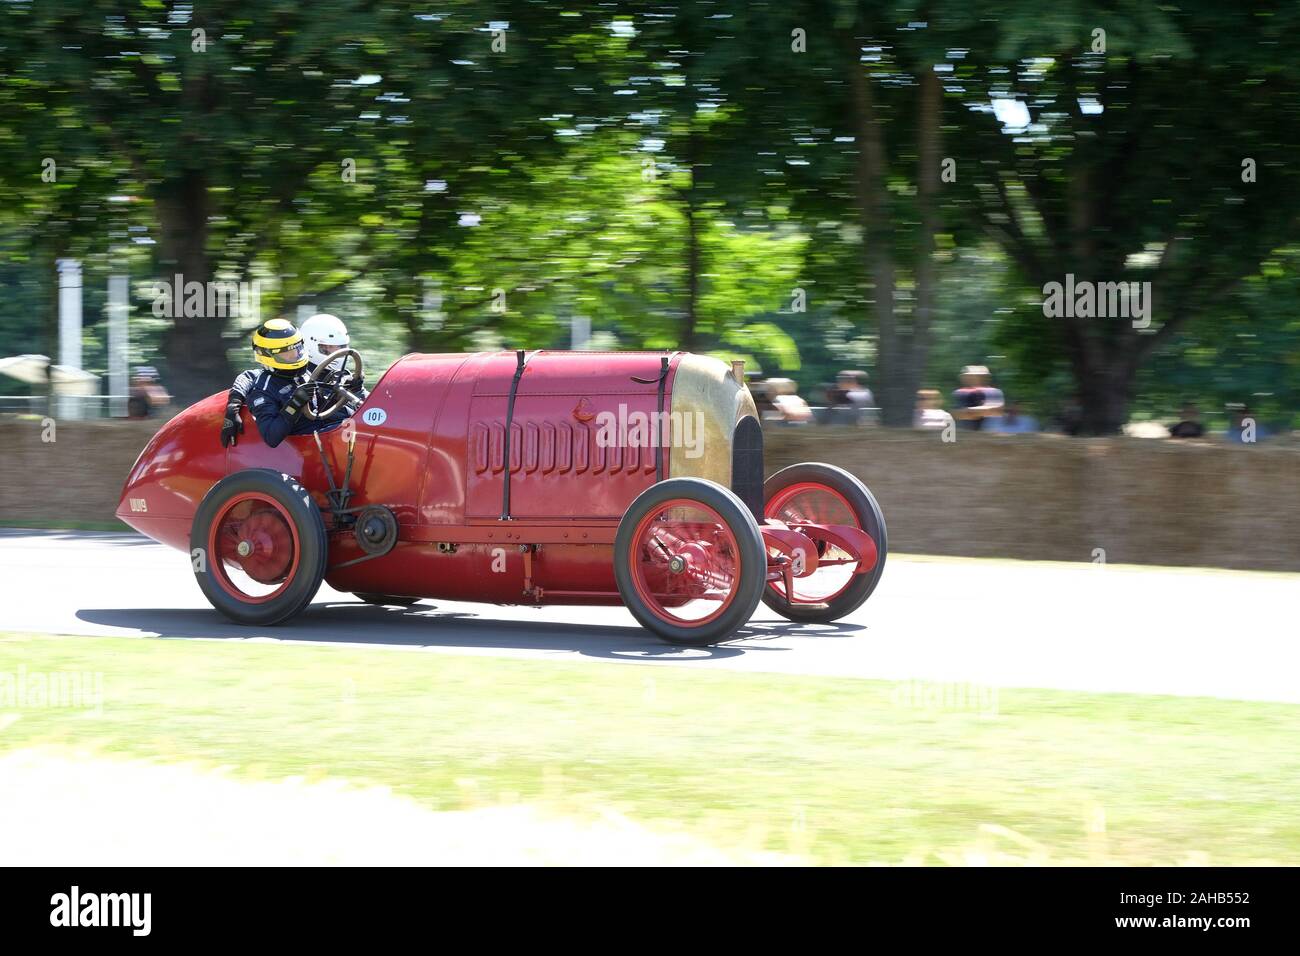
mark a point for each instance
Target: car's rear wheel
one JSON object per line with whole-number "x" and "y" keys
{"x": 258, "y": 547}
{"x": 689, "y": 561}
{"x": 813, "y": 494}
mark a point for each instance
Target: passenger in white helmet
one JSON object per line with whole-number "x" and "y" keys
{"x": 324, "y": 334}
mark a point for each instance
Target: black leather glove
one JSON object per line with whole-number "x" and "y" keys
{"x": 293, "y": 408}
{"x": 233, "y": 425}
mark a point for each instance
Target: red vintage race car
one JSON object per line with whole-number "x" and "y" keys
{"x": 542, "y": 477}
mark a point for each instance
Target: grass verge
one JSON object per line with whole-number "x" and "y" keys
{"x": 837, "y": 770}
{"x": 59, "y": 524}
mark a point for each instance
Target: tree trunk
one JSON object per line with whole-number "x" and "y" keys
{"x": 1105, "y": 398}
{"x": 194, "y": 347}
{"x": 872, "y": 199}
{"x": 930, "y": 105}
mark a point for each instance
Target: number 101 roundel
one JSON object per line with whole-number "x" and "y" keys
{"x": 536, "y": 477}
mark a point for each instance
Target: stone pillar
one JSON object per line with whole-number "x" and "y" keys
{"x": 69, "y": 329}
{"x": 119, "y": 344}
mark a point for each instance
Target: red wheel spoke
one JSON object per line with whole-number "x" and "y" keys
{"x": 654, "y": 539}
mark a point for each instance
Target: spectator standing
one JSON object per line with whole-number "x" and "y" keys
{"x": 929, "y": 413}
{"x": 977, "y": 400}
{"x": 847, "y": 399}
{"x": 1189, "y": 425}
{"x": 784, "y": 395}
{"x": 851, "y": 383}
{"x": 146, "y": 396}
{"x": 762, "y": 393}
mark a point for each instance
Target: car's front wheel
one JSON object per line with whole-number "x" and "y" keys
{"x": 816, "y": 494}
{"x": 258, "y": 547}
{"x": 689, "y": 560}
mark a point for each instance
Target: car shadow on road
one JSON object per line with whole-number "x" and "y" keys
{"x": 425, "y": 625}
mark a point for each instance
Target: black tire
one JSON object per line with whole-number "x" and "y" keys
{"x": 386, "y": 599}
{"x": 870, "y": 518}
{"x": 313, "y": 546}
{"x": 752, "y": 554}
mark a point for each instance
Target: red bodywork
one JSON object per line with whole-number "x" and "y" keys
{"x": 436, "y": 461}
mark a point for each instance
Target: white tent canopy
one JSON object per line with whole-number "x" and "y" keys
{"x": 32, "y": 369}
{"x": 67, "y": 380}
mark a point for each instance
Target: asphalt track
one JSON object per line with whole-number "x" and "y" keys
{"x": 965, "y": 623}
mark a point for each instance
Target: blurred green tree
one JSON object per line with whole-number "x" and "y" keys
{"x": 1133, "y": 144}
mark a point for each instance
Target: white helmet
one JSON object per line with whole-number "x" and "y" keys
{"x": 323, "y": 333}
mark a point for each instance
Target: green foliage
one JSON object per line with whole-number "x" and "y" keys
{"x": 680, "y": 176}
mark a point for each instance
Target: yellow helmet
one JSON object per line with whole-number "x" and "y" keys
{"x": 279, "y": 346}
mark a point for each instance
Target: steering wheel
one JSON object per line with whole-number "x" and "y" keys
{"x": 344, "y": 396}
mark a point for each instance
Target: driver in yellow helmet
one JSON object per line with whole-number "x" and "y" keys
{"x": 276, "y": 393}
